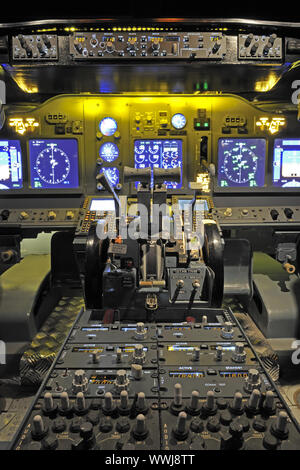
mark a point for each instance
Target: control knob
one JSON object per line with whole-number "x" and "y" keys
{"x": 239, "y": 354}
{"x": 248, "y": 40}
{"x": 181, "y": 431}
{"x": 80, "y": 381}
{"x": 140, "y": 431}
{"x": 121, "y": 382}
{"x": 139, "y": 355}
{"x": 140, "y": 332}
{"x": 110, "y": 46}
{"x": 252, "y": 381}
{"x": 155, "y": 44}
{"x": 227, "y": 331}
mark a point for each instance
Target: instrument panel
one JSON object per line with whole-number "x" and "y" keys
{"x": 63, "y": 144}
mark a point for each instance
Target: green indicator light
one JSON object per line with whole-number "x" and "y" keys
{"x": 205, "y": 86}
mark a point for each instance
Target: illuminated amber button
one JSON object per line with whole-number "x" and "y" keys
{"x": 228, "y": 212}
{"x": 51, "y": 215}
{"x": 24, "y": 215}
{"x": 70, "y": 215}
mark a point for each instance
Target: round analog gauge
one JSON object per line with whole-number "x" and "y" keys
{"x": 112, "y": 174}
{"x": 178, "y": 121}
{"x": 108, "y": 126}
{"x": 52, "y": 165}
{"x": 240, "y": 163}
{"x": 109, "y": 152}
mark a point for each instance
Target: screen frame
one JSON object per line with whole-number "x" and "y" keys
{"x": 182, "y": 187}
{"x": 237, "y": 188}
{"x": 58, "y": 191}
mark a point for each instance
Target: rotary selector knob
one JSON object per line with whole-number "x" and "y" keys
{"x": 110, "y": 46}
{"x": 139, "y": 355}
{"x": 137, "y": 371}
{"x": 132, "y": 44}
{"x": 140, "y": 332}
{"x": 239, "y": 354}
{"x": 227, "y": 330}
{"x": 121, "y": 382}
{"x": 252, "y": 381}
{"x": 155, "y": 44}
{"x": 219, "y": 353}
{"x": 80, "y": 381}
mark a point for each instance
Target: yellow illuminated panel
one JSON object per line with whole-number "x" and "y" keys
{"x": 204, "y": 180}
{"x": 23, "y": 125}
{"x": 272, "y": 125}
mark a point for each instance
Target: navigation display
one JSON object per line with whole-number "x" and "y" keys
{"x": 10, "y": 165}
{"x": 286, "y": 163}
{"x": 54, "y": 163}
{"x": 241, "y": 162}
{"x": 159, "y": 154}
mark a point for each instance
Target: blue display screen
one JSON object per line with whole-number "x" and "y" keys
{"x": 159, "y": 154}
{"x": 10, "y": 165}
{"x": 286, "y": 163}
{"x": 112, "y": 174}
{"x": 108, "y": 126}
{"x": 54, "y": 163}
{"x": 241, "y": 162}
{"x": 109, "y": 152}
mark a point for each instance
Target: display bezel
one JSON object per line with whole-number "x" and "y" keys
{"x": 248, "y": 140}
{"x": 55, "y": 190}
{"x": 157, "y": 139}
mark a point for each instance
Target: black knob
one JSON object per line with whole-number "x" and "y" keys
{"x": 22, "y": 40}
{"x": 49, "y": 443}
{"x": 216, "y": 48}
{"x": 288, "y": 212}
{"x": 236, "y": 429}
{"x": 272, "y": 39}
{"x": 267, "y": 48}
{"x": 4, "y": 214}
{"x": 274, "y": 214}
{"x": 86, "y": 430}
{"x": 46, "y": 41}
{"x": 254, "y": 48}
{"x": 248, "y": 40}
